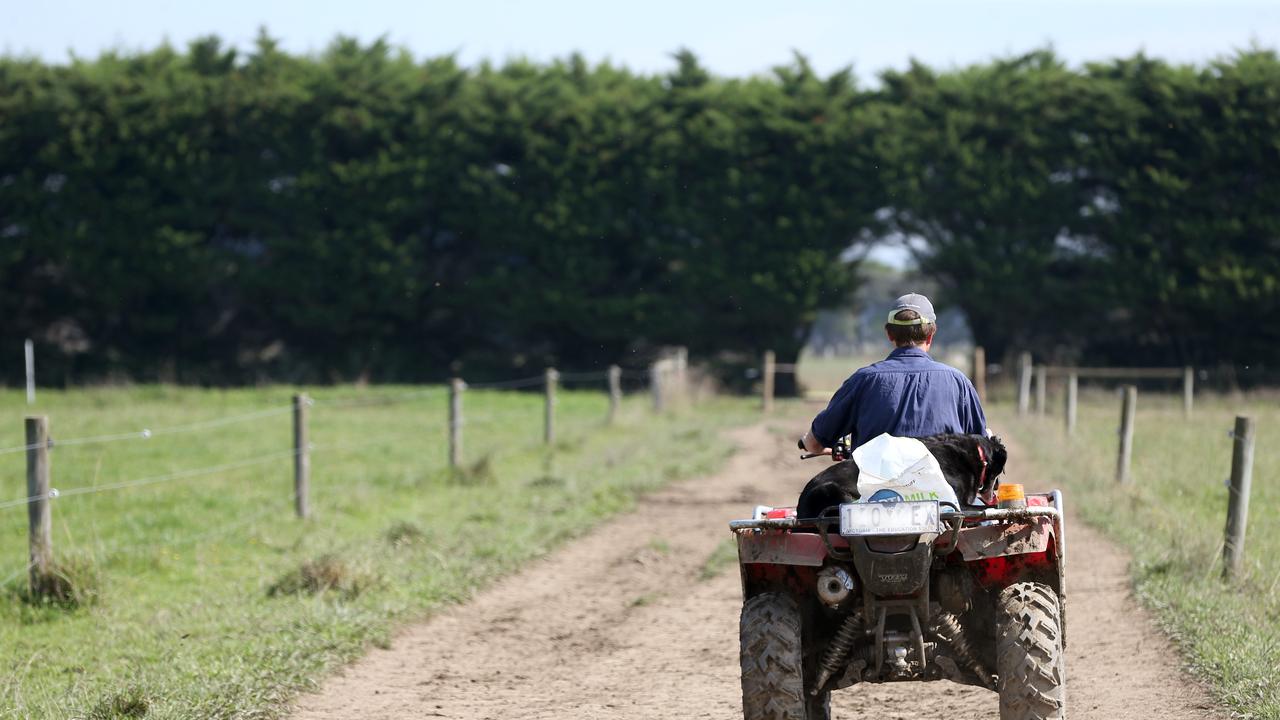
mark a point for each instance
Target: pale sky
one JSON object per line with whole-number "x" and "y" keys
{"x": 733, "y": 37}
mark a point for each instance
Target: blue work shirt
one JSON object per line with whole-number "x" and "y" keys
{"x": 908, "y": 394}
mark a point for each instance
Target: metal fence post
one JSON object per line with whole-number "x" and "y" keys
{"x": 456, "y": 387}
{"x": 29, "y": 351}
{"x": 1238, "y": 500}
{"x": 1127, "y": 411}
{"x": 549, "y": 419}
{"x": 615, "y": 393}
{"x": 39, "y": 509}
{"x": 766, "y": 386}
{"x": 301, "y": 457}
{"x": 1024, "y": 383}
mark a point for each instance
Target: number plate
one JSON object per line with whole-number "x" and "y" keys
{"x": 889, "y": 518}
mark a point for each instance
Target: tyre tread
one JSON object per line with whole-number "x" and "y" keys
{"x": 771, "y": 659}
{"x": 1029, "y": 655}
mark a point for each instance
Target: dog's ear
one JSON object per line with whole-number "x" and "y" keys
{"x": 997, "y": 456}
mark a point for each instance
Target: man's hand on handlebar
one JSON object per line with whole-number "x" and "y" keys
{"x": 810, "y": 444}
{"x": 812, "y": 447}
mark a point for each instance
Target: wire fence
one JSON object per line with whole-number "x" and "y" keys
{"x": 329, "y": 408}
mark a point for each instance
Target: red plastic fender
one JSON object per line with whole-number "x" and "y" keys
{"x": 781, "y": 548}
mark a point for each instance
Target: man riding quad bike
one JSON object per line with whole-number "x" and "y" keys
{"x": 908, "y": 561}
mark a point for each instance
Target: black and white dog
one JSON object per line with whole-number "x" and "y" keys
{"x": 971, "y": 465}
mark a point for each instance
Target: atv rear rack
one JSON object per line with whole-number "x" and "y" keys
{"x": 964, "y": 516}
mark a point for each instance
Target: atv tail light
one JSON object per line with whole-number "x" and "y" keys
{"x": 779, "y": 513}
{"x": 1010, "y": 495}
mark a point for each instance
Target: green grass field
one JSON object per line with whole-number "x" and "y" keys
{"x": 1172, "y": 518}
{"x": 199, "y": 593}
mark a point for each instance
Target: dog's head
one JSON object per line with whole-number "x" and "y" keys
{"x": 993, "y": 457}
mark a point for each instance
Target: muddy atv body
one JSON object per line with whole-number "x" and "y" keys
{"x": 912, "y": 592}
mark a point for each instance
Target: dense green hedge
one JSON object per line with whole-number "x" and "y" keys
{"x": 214, "y": 216}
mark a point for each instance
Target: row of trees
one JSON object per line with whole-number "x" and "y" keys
{"x": 212, "y": 216}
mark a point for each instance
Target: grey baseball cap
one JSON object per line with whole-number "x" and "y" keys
{"x": 917, "y": 302}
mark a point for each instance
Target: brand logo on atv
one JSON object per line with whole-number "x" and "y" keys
{"x": 892, "y": 578}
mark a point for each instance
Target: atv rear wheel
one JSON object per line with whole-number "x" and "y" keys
{"x": 1029, "y": 656}
{"x": 772, "y": 657}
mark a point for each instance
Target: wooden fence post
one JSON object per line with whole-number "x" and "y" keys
{"x": 39, "y": 509}
{"x": 301, "y": 457}
{"x": 1024, "y": 383}
{"x": 456, "y": 387}
{"x": 1127, "y": 411}
{"x": 1238, "y": 500}
{"x": 1073, "y": 390}
{"x": 656, "y": 381}
{"x": 1042, "y": 382}
{"x": 980, "y": 372}
{"x": 1188, "y": 390}
{"x": 549, "y": 418}
{"x": 29, "y": 351}
{"x": 615, "y": 393}
{"x": 766, "y": 385}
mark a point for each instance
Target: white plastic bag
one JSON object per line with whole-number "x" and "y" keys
{"x": 891, "y": 469}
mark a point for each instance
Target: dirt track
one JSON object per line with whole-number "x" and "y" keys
{"x": 619, "y": 624}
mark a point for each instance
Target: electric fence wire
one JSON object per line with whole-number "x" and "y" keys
{"x": 221, "y": 530}
{"x": 508, "y": 384}
{"x": 147, "y": 433}
{"x": 154, "y": 480}
{"x": 244, "y": 417}
{"x": 592, "y": 375}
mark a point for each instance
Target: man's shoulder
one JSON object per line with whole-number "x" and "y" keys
{"x": 917, "y": 365}
{"x": 939, "y": 366}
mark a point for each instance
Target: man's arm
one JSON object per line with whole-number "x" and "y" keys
{"x": 835, "y": 421}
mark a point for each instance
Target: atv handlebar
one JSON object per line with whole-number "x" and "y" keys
{"x": 838, "y": 453}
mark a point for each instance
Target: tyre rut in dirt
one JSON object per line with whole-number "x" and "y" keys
{"x": 1029, "y": 656}
{"x": 772, "y": 662}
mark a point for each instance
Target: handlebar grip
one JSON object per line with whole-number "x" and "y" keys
{"x": 800, "y": 444}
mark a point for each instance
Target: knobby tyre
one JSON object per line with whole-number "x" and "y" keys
{"x": 772, "y": 657}
{"x": 1029, "y": 654}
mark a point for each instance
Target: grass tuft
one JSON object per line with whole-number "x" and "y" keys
{"x": 131, "y": 702}
{"x": 405, "y": 533}
{"x": 643, "y": 600}
{"x": 72, "y": 583}
{"x": 660, "y": 546}
{"x": 323, "y": 574}
{"x": 479, "y": 472}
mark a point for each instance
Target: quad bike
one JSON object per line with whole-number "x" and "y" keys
{"x": 887, "y": 592}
